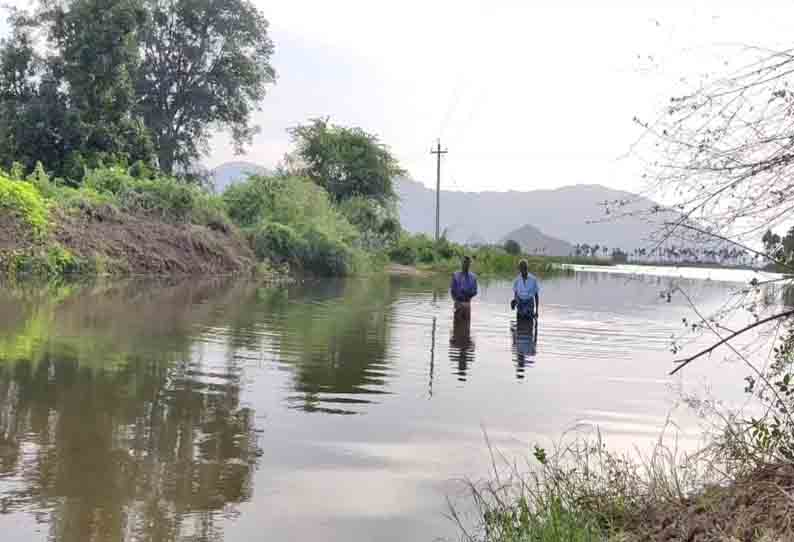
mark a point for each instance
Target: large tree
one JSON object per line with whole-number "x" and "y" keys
{"x": 206, "y": 63}
{"x": 130, "y": 79}
{"x": 347, "y": 162}
{"x": 70, "y": 106}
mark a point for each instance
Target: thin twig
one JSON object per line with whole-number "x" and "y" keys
{"x": 687, "y": 361}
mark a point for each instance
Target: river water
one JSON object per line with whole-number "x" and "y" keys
{"x": 331, "y": 410}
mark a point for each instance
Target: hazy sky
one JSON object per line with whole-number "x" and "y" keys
{"x": 525, "y": 94}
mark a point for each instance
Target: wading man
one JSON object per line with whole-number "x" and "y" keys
{"x": 462, "y": 289}
{"x": 526, "y": 293}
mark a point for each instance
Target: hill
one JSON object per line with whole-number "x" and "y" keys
{"x": 230, "y": 172}
{"x": 572, "y": 214}
{"x": 534, "y": 241}
{"x": 565, "y": 213}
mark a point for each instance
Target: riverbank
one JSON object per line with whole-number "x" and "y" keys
{"x": 588, "y": 494}
{"x": 105, "y": 241}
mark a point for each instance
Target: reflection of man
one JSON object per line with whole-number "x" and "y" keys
{"x": 525, "y": 342}
{"x": 461, "y": 346}
{"x": 526, "y": 293}
{"x": 463, "y": 288}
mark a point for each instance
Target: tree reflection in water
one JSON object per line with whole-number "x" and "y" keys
{"x": 110, "y": 427}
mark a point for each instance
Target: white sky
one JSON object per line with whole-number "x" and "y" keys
{"x": 525, "y": 94}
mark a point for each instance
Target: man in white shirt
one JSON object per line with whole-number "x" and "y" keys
{"x": 526, "y": 293}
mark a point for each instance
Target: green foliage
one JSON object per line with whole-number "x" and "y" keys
{"x": 291, "y": 220}
{"x": 414, "y": 249}
{"x": 512, "y": 247}
{"x": 347, "y": 162}
{"x": 24, "y": 200}
{"x": 140, "y": 81}
{"x": 164, "y": 197}
{"x": 377, "y": 224}
{"x": 49, "y": 262}
{"x": 224, "y": 84}
{"x": 278, "y": 243}
{"x": 446, "y": 256}
{"x": 71, "y": 107}
{"x": 255, "y": 200}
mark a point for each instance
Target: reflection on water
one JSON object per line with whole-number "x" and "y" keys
{"x": 113, "y": 424}
{"x": 525, "y": 344}
{"x": 226, "y": 410}
{"x": 461, "y": 347}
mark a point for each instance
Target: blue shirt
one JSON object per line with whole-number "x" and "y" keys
{"x": 526, "y": 289}
{"x": 463, "y": 286}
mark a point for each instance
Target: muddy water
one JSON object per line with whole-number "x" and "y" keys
{"x": 337, "y": 410}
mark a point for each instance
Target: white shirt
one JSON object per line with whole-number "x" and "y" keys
{"x": 525, "y": 289}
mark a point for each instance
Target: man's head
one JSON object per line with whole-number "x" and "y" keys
{"x": 523, "y": 268}
{"x": 465, "y": 264}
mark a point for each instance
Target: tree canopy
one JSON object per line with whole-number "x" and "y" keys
{"x": 89, "y": 81}
{"x": 347, "y": 162}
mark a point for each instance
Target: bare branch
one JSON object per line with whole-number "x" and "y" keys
{"x": 779, "y": 316}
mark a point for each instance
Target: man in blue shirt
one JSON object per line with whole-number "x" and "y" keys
{"x": 463, "y": 288}
{"x": 526, "y": 293}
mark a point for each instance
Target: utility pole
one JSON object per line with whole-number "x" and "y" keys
{"x": 438, "y": 152}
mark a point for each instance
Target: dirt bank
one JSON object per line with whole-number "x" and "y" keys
{"x": 758, "y": 507}
{"x": 118, "y": 243}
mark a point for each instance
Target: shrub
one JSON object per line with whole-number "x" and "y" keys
{"x": 110, "y": 180}
{"x": 376, "y": 223}
{"x": 165, "y": 197}
{"x": 25, "y": 201}
{"x": 327, "y": 256}
{"x": 512, "y": 247}
{"x": 278, "y": 243}
{"x": 290, "y": 219}
{"x": 252, "y": 201}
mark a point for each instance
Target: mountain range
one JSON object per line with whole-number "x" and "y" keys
{"x": 556, "y": 218}
{"x": 574, "y": 214}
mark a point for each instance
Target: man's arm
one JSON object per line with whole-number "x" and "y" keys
{"x": 474, "y": 292}
{"x": 453, "y": 288}
{"x": 537, "y": 304}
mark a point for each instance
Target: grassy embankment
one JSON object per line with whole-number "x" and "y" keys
{"x": 115, "y": 222}
{"x": 583, "y": 493}
{"x": 120, "y": 221}
{"x": 739, "y": 487}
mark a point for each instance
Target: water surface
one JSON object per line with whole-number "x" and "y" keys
{"x": 331, "y": 410}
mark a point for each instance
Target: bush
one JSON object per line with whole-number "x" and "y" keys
{"x": 290, "y": 219}
{"x": 328, "y": 256}
{"x": 376, "y": 223}
{"x": 165, "y": 197}
{"x": 25, "y": 201}
{"x": 413, "y": 249}
{"x": 278, "y": 243}
{"x": 512, "y": 247}
{"x": 252, "y": 201}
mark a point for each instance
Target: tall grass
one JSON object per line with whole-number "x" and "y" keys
{"x": 579, "y": 492}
